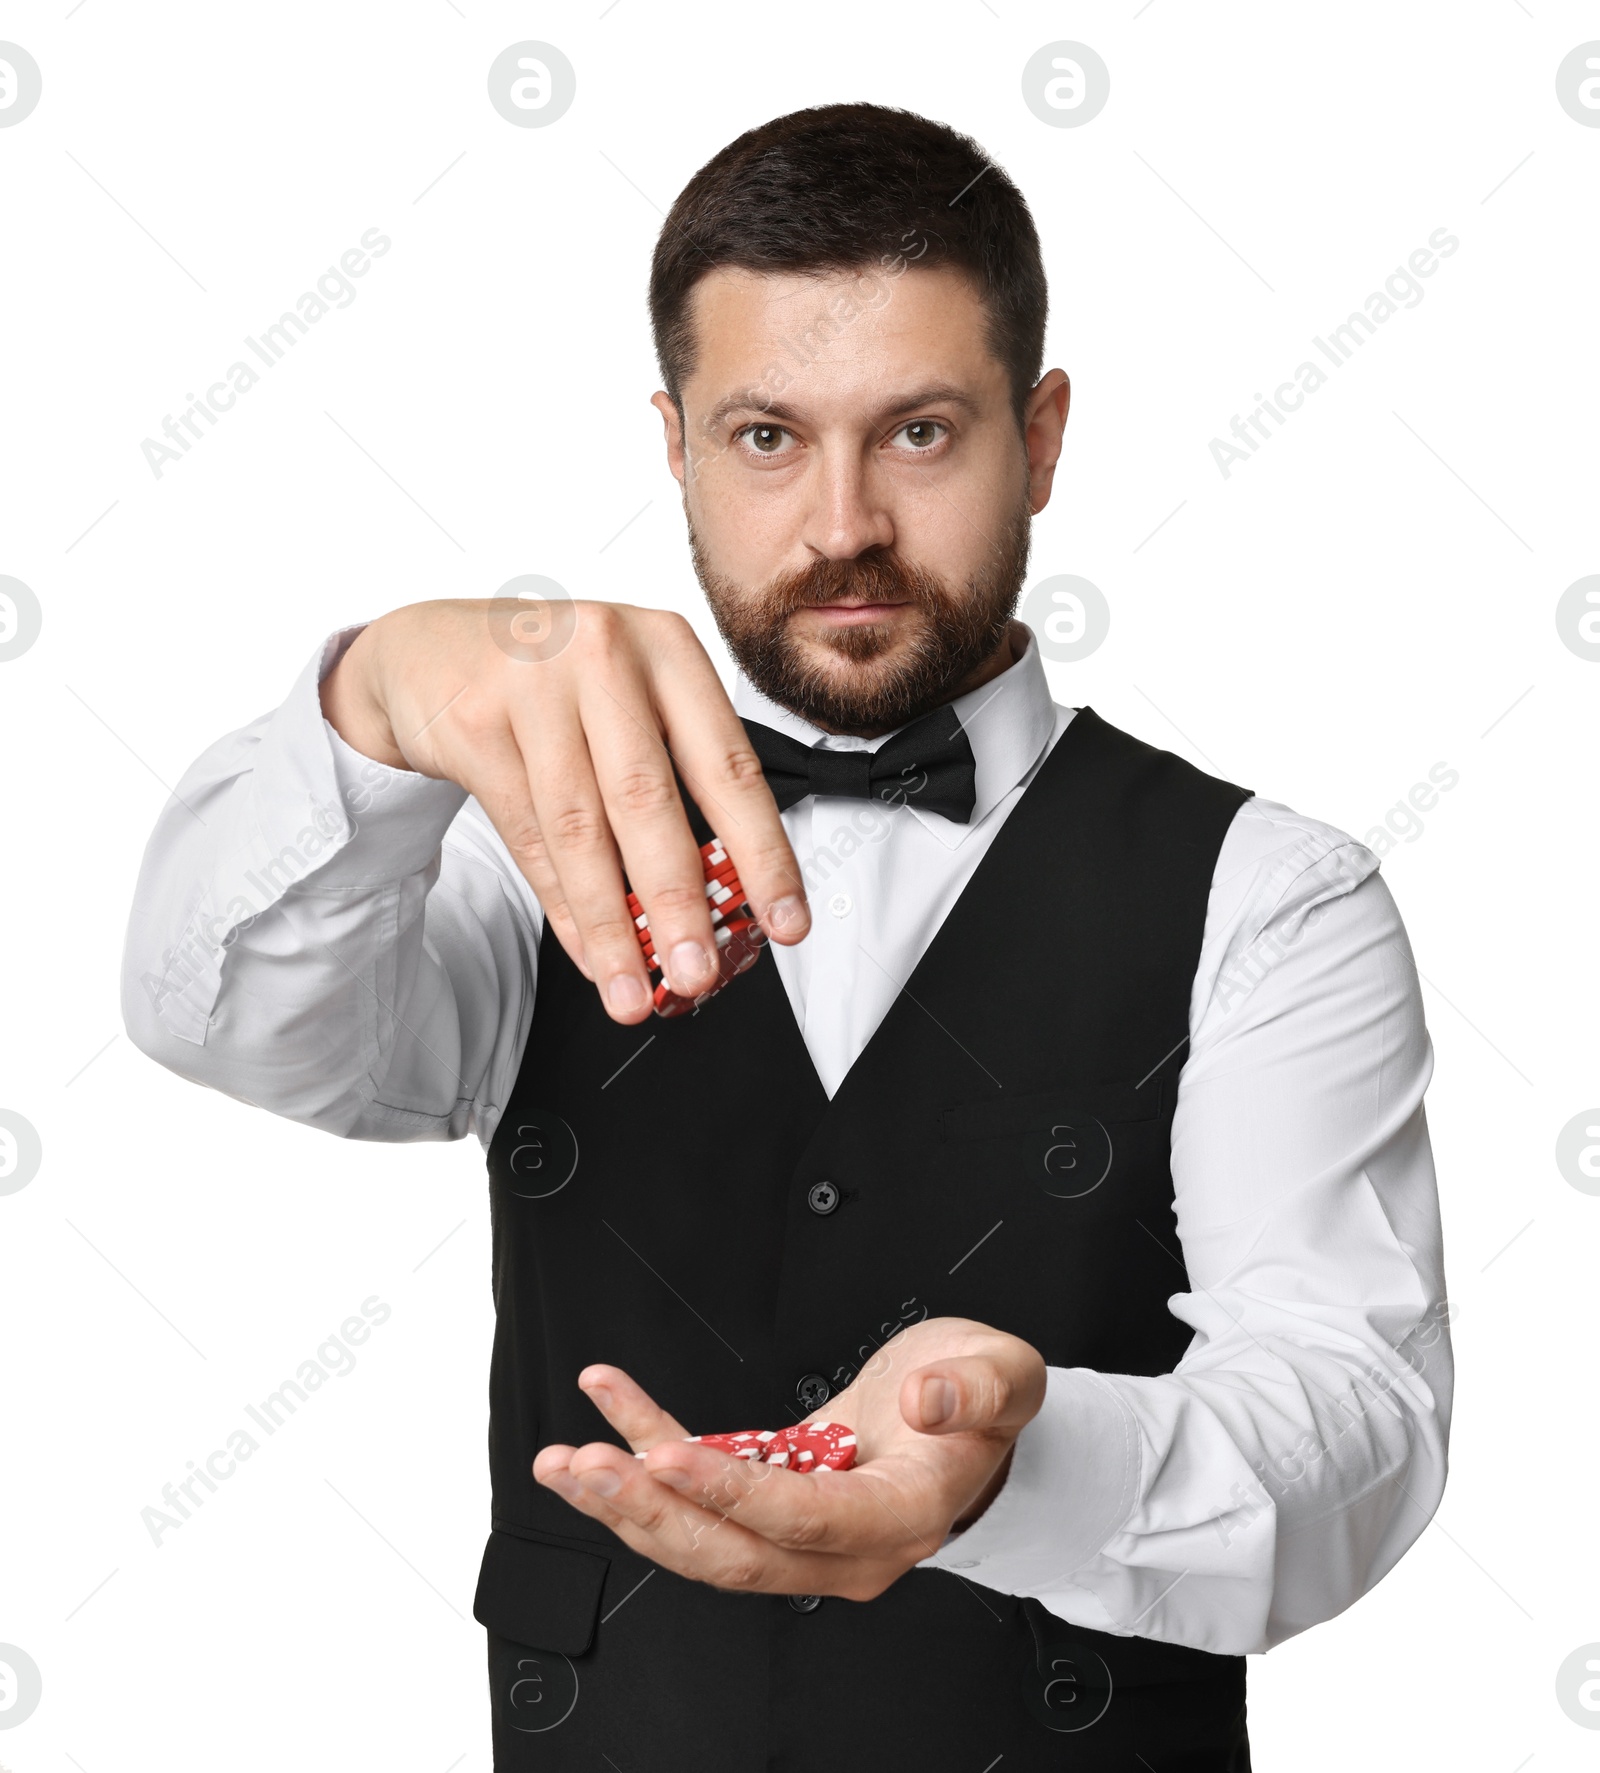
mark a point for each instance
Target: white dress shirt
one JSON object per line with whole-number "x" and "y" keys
{"x": 352, "y": 947}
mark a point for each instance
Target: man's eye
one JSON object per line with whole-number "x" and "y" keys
{"x": 922, "y": 433}
{"x": 766, "y": 440}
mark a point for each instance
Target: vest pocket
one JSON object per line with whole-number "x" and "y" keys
{"x": 539, "y": 1593}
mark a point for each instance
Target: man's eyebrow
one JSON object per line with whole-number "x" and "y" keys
{"x": 934, "y": 394}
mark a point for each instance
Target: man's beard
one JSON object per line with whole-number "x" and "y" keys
{"x": 957, "y": 633}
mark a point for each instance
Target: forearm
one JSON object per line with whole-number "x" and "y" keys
{"x": 1298, "y": 1447}
{"x": 297, "y": 939}
{"x": 1226, "y": 1507}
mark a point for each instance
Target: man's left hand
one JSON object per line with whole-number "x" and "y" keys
{"x": 935, "y": 1413}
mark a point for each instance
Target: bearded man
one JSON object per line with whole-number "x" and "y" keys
{"x": 1065, "y": 1144}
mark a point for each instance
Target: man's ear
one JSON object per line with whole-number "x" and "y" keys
{"x": 672, "y": 424}
{"x": 1045, "y": 421}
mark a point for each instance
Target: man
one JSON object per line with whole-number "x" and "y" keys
{"x": 1067, "y": 1144}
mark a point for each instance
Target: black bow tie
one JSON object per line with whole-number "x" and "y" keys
{"x": 928, "y": 765}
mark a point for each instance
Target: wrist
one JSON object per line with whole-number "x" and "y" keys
{"x": 351, "y": 708}
{"x": 986, "y": 1495}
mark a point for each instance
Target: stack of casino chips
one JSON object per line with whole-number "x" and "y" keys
{"x": 813, "y": 1446}
{"x": 738, "y": 936}
{"x": 808, "y": 1446}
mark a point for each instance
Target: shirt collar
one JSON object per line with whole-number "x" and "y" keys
{"x": 1008, "y": 720}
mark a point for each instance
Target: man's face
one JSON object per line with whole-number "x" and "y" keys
{"x": 857, "y": 488}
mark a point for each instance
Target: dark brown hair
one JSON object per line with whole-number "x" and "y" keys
{"x": 848, "y": 187}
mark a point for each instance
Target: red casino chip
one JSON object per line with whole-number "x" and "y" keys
{"x": 808, "y": 1446}
{"x": 738, "y": 936}
{"x": 813, "y": 1446}
{"x": 746, "y": 1443}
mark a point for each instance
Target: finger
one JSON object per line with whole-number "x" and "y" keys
{"x": 601, "y": 1481}
{"x": 707, "y": 1544}
{"x": 885, "y": 1511}
{"x": 721, "y": 770}
{"x": 578, "y": 844}
{"x": 974, "y": 1393}
{"x": 497, "y": 778}
{"x": 650, "y": 824}
{"x": 629, "y": 1408}
{"x": 509, "y": 807}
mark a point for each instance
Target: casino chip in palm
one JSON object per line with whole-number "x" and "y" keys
{"x": 813, "y": 1446}
{"x": 747, "y": 1443}
{"x": 808, "y": 1446}
{"x": 739, "y": 937}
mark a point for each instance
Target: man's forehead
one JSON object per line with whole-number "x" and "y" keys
{"x": 851, "y": 333}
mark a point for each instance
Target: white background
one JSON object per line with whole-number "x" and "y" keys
{"x": 1368, "y": 596}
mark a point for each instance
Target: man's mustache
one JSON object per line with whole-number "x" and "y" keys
{"x": 840, "y": 581}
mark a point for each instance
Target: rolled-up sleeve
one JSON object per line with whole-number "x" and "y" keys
{"x": 339, "y": 942}
{"x": 1299, "y": 1446}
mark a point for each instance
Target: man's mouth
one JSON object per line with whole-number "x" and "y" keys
{"x": 850, "y": 611}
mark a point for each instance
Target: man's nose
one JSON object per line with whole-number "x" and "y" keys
{"x": 847, "y": 514}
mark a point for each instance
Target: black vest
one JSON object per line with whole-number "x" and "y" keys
{"x": 999, "y": 1151}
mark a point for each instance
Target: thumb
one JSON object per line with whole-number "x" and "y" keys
{"x": 974, "y": 1393}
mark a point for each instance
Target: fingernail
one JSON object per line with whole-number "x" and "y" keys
{"x": 625, "y": 994}
{"x": 599, "y": 1396}
{"x": 603, "y": 1482}
{"x": 691, "y": 966}
{"x": 673, "y": 1475}
{"x": 787, "y": 914}
{"x": 938, "y": 1402}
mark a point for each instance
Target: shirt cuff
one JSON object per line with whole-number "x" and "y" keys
{"x": 384, "y": 824}
{"x": 394, "y": 818}
{"x": 1073, "y": 1483}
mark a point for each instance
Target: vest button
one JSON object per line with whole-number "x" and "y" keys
{"x": 823, "y": 1197}
{"x": 805, "y": 1603}
{"x": 812, "y": 1391}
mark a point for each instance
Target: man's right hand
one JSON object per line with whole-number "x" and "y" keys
{"x": 571, "y": 756}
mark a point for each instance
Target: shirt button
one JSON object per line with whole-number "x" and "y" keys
{"x": 823, "y": 1197}
{"x": 812, "y": 1391}
{"x": 841, "y": 904}
{"x": 805, "y": 1603}
{"x": 963, "y": 1564}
